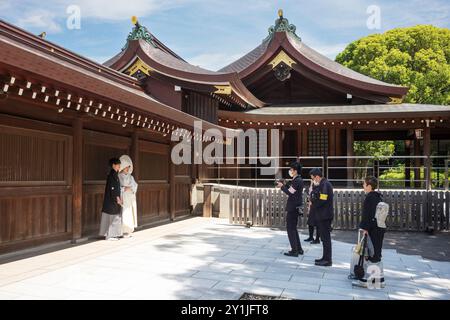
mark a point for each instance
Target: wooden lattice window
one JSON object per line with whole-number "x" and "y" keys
{"x": 317, "y": 142}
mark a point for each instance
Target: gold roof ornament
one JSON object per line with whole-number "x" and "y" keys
{"x": 134, "y": 20}
{"x": 280, "y": 13}
{"x": 42, "y": 35}
{"x": 395, "y": 100}
{"x": 223, "y": 90}
{"x": 282, "y": 57}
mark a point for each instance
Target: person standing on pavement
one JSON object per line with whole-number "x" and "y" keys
{"x": 368, "y": 222}
{"x": 322, "y": 206}
{"x": 294, "y": 207}
{"x": 111, "y": 221}
{"x": 311, "y": 220}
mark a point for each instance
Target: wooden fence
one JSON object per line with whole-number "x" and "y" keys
{"x": 410, "y": 210}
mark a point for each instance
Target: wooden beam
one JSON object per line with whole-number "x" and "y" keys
{"x": 135, "y": 148}
{"x": 407, "y": 164}
{"x": 299, "y": 142}
{"x": 207, "y": 202}
{"x": 304, "y": 142}
{"x": 427, "y": 153}
{"x": 350, "y": 153}
{"x": 172, "y": 182}
{"x": 417, "y": 163}
{"x": 332, "y": 142}
{"x": 77, "y": 178}
{"x": 338, "y": 142}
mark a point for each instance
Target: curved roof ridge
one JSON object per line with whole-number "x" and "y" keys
{"x": 248, "y": 59}
{"x": 332, "y": 65}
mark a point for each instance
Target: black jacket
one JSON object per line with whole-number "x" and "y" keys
{"x": 311, "y": 220}
{"x": 294, "y": 190}
{"x": 112, "y": 191}
{"x": 322, "y": 201}
{"x": 368, "y": 220}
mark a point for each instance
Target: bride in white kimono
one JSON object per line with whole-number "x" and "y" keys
{"x": 128, "y": 188}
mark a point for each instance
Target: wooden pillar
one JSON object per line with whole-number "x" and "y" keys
{"x": 172, "y": 183}
{"x": 427, "y": 153}
{"x": 207, "y": 202}
{"x": 304, "y": 142}
{"x": 77, "y": 179}
{"x": 408, "y": 164}
{"x": 135, "y": 154}
{"x": 350, "y": 153}
{"x": 299, "y": 142}
{"x": 417, "y": 163}
{"x": 332, "y": 142}
{"x": 427, "y": 168}
{"x": 338, "y": 142}
{"x": 282, "y": 160}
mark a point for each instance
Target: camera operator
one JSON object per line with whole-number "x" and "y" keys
{"x": 294, "y": 207}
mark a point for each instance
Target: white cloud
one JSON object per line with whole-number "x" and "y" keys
{"x": 414, "y": 12}
{"x": 123, "y": 10}
{"x": 42, "y": 19}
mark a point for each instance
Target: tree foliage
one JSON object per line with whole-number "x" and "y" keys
{"x": 417, "y": 57}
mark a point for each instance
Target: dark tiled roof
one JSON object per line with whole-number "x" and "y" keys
{"x": 246, "y": 60}
{"x": 348, "y": 109}
{"x": 307, "y": 52}
{"x": 168, "y": 60}
{"x": 331, "y": 65}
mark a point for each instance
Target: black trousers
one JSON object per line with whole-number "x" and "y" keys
{"x": 291, "y": 226}
{"x": 324, "y": 229}
{"x": 376, "y": 235}
{"x": 311, "y": 232}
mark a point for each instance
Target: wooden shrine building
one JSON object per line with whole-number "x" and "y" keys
{"x": 62, "y": 116}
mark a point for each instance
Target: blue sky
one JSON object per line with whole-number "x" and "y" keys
{"x": 213, "y": 33}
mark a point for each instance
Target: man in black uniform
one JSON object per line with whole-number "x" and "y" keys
{"x": 322, "y": 205}
{"x": 294, "y": 208}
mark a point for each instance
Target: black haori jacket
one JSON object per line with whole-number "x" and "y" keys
{"x": 295, "y": 193}
{"x": 322, "y": 201}
{"x": 112, "y": 191}
{"x": 369, "y": 209}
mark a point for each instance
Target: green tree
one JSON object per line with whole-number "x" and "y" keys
{"x": 417, "y": 57}
{"x": 379, "y": 150}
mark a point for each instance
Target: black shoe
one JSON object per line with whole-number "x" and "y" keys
{"x": 309, "y": 239}
{"x": 317, "y": 241}
{"x": 291, "y": 254}
{"x": 300, "y": 252}
{"x": 324, "y": 263}
{"x": 318, "y": 260}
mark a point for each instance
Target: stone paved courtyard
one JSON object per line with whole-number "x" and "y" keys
{"x": 203, "y": 258}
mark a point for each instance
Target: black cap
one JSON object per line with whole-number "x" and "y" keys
{"x": 316, "y": 172}
{"x": 296, "y": 166}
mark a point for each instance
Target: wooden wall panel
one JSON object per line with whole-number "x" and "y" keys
{"x": 35, "y": 191}
{"x": 182, "y": 200}
{"x": 201, "y": 106}
{"x": 30, "y": 157}
{"x": 152, "y": 202}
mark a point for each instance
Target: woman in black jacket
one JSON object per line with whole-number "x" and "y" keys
{"x": 111, "y": 223}
{"x": 368, "y": 222}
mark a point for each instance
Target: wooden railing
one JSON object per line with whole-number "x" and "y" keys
{"x": 410, "y": 210}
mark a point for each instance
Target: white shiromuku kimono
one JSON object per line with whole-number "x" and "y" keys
{"x": 129, "y": 210}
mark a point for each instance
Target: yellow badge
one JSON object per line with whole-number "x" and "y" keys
{"x": 323, "y": 196}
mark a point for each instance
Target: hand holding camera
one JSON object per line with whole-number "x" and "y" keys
{"x": 279, "y": 183}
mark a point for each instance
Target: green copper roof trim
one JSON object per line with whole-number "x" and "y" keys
{"x": 140, "y": 32}
{"x": 282, "y": 25}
